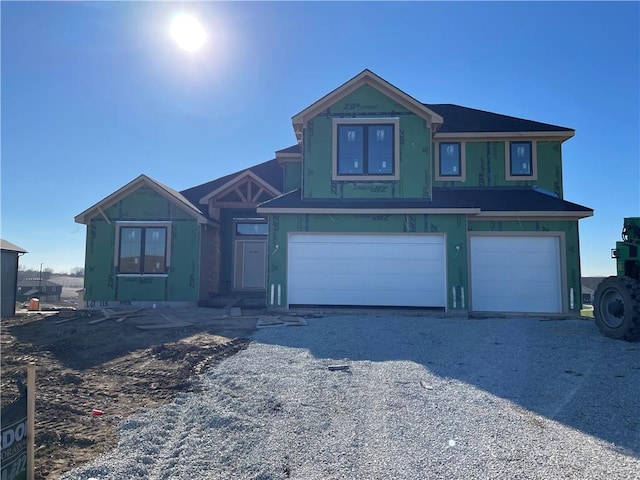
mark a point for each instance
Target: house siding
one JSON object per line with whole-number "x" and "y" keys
{"x": 453, "y": 226}
{"x": 485, "y": 166}
{"x": 103, "y": 286}
{"x": 415, "y": 150}
{"x": 292, "y": 175}
{"x": 570, "y": 251}
{"x": 209, "y": 262}
{"x": 8, "y": 281}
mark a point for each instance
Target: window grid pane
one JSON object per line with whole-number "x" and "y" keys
{"x": 520, "y": 158}
{"x": 252, "y": 229}
{"x": 380, "y": 150}
{"x": 154, "y": 250}
{"x": 350, "y": 149}
{"x": 450, "y": 159}
{"x": 130, "y": 249}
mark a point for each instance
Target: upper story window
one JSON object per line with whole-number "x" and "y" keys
{"x": 142, "y": 248}
{"x": 520, "y": 160}
{"x": 366, "y": 148}
{"x": 450, "y": 161}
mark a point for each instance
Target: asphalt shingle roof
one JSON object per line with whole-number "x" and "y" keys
{"x": 12, "y": 247}
{"x": 458, "y": 119}
{"x": 269, "y": 171}
{"x": 487, "y": 199}
{"x": 292, "y": 149}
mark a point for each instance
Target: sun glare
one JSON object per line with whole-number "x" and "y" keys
{"x": 187, "y": 32}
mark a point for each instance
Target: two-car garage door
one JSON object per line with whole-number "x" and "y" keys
{"x": 508, "y": 273}
{"x": 515, "y": 274}
{"x": 367, "y": 269}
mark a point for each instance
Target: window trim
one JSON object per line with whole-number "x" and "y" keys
{"x": 463, "y": 162}
{"x": 136, "y": 224}
{"x": 507, "y": 160}
{"x": 395, "y": 121}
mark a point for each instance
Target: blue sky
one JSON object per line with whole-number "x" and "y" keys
{"x": 94, "y": 94}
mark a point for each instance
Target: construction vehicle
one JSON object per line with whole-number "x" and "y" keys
{"x": 616, "y": 304}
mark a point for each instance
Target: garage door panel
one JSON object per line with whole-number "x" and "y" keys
{"x": 349, "y": 269}
{"x": 516, "y": 274}
{"x": 360, "y": 297}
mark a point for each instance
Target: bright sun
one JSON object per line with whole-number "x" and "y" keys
{"x": 187, "y": 31}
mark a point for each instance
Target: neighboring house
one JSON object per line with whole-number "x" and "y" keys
{"x": 44, "y": 290}
{"x": 587, "y": 295}
{"x": 9, "y": 279}
{"x": 589, "y": 287}
{"x": 384, "y": 201}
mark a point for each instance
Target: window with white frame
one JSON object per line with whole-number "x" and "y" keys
{"x": 365, "y": 147}
{"x": 142, "y": 249}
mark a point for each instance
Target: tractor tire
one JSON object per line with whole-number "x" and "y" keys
{"x": 616, "y": 308}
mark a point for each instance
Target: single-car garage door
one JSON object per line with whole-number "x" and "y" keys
{"x": 515, "y": 274}
{"x": 366, "y": 269}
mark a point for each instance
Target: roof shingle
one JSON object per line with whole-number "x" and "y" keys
{"x": 458, "y": 119}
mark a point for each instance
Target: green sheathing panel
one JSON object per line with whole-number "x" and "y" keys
{"x": 550, "y": 166}
{"x": 103, "y": 285}
{"x": 100, "y": 274}
{"x": 454, "y": 226}
{"x": 415, "y": 150}
{"x": 292, "y": 176}
{"x": 485, "y": 167}
{"x": 571, "y": 251}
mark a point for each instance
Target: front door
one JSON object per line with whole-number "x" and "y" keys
{"x": 254, "y": 263}
{"x": 250, "y": 269}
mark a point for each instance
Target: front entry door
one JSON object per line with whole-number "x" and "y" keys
{"x": 250, "y": 254}
{"x": 252, "y": 271}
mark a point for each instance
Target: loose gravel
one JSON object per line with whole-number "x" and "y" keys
{"x": 399, "y": 397}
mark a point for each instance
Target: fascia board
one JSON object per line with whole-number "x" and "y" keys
{"x": 504, "y": 135}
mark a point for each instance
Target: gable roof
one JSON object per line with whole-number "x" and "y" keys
{"x": 269, "y": 172}
{"x": 10, "y": 247}
{"x": 293, "y": 149}
{"x": 483, "y": 201}
{"x": 235, "y": 180}
{"x": 143, "y": 180}
{"x": 458, "y": 119}
{"x": 366, "y": 77}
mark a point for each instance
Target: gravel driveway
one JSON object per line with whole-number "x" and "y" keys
{"x": 420, "y": 398}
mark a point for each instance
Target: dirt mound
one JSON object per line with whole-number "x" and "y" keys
{"x": 90, "y": 376}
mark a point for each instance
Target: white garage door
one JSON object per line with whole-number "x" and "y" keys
{"x": 368, "y": 269}
{"x": 515, "y": 274}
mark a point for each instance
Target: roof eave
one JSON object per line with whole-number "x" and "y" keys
{"x": 537, "y": 214}
{"x": 368, "y": 210}
{"x": 555, "y": 135}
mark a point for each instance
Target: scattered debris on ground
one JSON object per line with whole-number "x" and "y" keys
{"x": 96, "y": 368}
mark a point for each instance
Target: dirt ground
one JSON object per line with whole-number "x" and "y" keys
{"x": 117, "y": 366}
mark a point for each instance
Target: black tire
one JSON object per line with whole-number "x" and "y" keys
{"x": 616, "y": 308}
